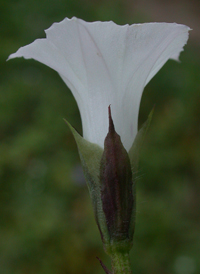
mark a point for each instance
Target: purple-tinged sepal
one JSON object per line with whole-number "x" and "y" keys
{"x": 116, "y": 191}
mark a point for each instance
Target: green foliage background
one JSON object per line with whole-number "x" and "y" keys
{"x": 46, "y": 219}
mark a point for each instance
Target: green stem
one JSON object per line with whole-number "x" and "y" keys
{"x": 121, "y": 263}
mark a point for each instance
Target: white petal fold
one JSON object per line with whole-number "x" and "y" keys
{"x": 106, "y": 64}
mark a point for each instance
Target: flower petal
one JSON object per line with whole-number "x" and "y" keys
{"x": 103, "y": 63}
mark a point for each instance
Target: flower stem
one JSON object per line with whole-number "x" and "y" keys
{"x": 121, "y": 263}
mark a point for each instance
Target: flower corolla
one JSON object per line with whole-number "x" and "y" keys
{"x": 106, "y": 64}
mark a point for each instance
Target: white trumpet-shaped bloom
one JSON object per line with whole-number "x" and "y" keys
{"x": 106, "y": 64}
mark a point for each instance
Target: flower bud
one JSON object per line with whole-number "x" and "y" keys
{"x": 111, "y": 175}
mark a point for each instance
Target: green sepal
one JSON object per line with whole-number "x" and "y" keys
{"x": 90, "y": 155}
{"x": 134, "y": 151}
{"x": 134, "y": 154}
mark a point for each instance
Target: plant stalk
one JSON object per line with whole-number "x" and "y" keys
{"x": 121, "y": 263}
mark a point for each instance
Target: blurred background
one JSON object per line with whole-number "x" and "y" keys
{"x": 46, "y": 219}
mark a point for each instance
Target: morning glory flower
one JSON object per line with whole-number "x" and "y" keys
{"x": 106, "y": 64}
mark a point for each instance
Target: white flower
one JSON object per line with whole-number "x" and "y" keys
{"x": 106, "y": 64}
